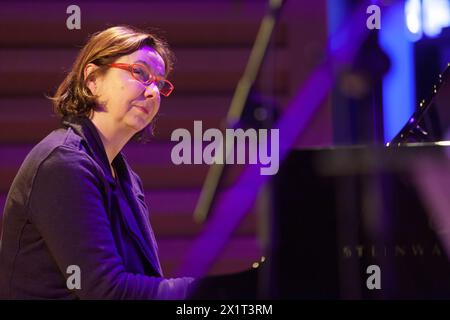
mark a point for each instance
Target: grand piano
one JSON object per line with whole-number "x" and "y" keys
{"x": 359, "y": 222}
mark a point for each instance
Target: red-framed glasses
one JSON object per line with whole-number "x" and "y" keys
{"x": 142, "y": 74}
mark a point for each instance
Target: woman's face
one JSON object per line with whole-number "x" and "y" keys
{"x": 128, "y": 103}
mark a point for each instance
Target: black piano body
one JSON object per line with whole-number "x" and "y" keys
{"x": 336, "y": 212}
{"x": 339, "y": 211}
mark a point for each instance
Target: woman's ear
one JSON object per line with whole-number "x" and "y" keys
{"x": 90, "y": 79}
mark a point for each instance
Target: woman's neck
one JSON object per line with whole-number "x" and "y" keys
{"x": 114, "y": 137}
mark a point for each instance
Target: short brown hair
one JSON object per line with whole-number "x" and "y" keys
{"x": 73, "y": 97}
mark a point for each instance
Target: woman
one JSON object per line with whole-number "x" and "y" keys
{"x": 75, "y": 220}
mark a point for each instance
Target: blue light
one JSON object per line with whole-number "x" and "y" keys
{"x": 436, "y": 15}
{"x": 413, "y": 17}
{"x": 426, "y": 16}
{"x": 398, "y": 84}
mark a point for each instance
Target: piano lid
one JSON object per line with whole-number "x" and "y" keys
{"x": 431, "y": 120}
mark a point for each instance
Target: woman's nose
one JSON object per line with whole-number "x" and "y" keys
{"x": 151, "y": 90}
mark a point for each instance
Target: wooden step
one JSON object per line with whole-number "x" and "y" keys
{"x": 156, "y": 170}
{"x": 151, "y": 162}
{"x": 208, "y": 82}
{"x": 182, "y": 23}
{"x": 39, "y": 120}
{"x": 197, "y": 71}
{"x": 187, "y": 59}
{"x": 36, "y": 115}
{"x": 171, "y": 213}
{"x": 39, "y": 107}
{"x": 21, "y": 130}
{"x": 238, "y": 255}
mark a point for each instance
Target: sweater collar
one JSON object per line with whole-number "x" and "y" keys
{"x": 84, "y": 127}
